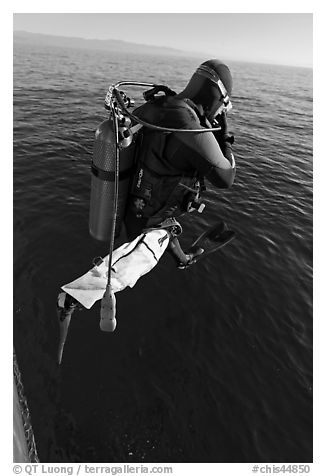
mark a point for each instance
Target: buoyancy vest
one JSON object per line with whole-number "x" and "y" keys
{"x": 159, "y": 188}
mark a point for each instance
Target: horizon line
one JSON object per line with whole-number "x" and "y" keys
{"x": 186, "y": 52}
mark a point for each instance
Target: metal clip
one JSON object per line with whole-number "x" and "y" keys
{"x": 108, "y": 97}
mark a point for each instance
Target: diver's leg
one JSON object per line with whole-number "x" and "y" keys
{"x": 180, "y": 255}
{"x": 211, "y": 240}
{"x": 66, "y": 305}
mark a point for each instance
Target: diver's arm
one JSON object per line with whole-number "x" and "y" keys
{"x": 206, "y": 156}
{"x": 224, "y": 139}
{"x": 220, "y": 175}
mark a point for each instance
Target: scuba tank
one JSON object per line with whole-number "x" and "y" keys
{"x": 103, "y": 176}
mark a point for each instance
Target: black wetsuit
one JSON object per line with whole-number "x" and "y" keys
{"x": 167, "y": 160}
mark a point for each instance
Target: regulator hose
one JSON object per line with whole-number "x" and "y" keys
{"x": 116, "y": 190}
{"x": 117, "y": 94}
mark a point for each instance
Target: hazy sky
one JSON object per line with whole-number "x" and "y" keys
{"x": 281, "y": 38}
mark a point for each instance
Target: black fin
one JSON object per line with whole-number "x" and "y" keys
{"x": 213, "y": 239}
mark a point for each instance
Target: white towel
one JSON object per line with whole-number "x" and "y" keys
{"x": 129, "y": 262}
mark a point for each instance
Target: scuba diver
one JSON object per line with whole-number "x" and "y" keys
{"x": 171, "y": 167}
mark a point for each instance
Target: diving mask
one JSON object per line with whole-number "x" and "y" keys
{"x": 224, "y": 108}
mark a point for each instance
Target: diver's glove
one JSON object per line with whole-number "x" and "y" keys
{"x": 221, "y": 121}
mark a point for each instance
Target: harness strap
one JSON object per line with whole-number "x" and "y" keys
{"x": 109, "y": 175}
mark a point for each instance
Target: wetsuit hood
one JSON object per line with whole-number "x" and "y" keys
{"x": 204, "y": 87}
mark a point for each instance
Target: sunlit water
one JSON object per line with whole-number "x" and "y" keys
{"x": 211, "y": 364}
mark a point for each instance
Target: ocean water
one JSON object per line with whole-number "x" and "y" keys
{"x": 211, "y": 364}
